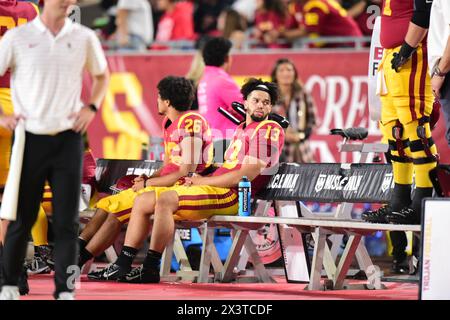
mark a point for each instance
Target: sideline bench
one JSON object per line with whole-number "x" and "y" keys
{"x": 326, "y": 183}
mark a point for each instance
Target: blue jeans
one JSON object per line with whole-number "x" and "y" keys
{"x": 136, "y": 43}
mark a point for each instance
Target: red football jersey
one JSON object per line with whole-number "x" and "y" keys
{"x": 89, "y": 166}
{"x": 261, "y": 140}
{"x": 323, "y": 18}
{"x": 13, "y": 14}
{"x": 266, "y": 21}
{"x": 395, "y": 18}
{"x": 177, "y": 24}
{"x": 190, "y": 124}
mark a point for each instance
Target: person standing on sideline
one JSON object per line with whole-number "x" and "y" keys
{"x": 406, "y": 106}
{"x": 439, "y": 56}
{"x": 12, "y": 14}
{"x": 217, "y": 89}
{"x": 47, "y": 58}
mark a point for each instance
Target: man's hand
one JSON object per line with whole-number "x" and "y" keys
{"x": 9, "y": 122}
{"x": 400, "y": 58}
{"x": 195, "y": 181}
{"x": 82, "y": 119}
{"x": 138, "y": 186}
{"x": 139, "y": 183}
{"x": 436, "y": 85}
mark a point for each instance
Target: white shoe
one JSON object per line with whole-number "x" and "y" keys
{"x": 10, "y": 293}
{"x": 66, "y": 296}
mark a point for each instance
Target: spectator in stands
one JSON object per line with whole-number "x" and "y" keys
{"x": 206, "y": 14}
{"x": 177, "y": 21}
{"x": 217, "y": 89}
{"x": 134, "y": 24}
{"x": 298, "y": 106}
{"x": 232, "y": 26}
{"x": 320, "y": 18}
{"x": 358, "y": 10}
{"x": 107, "y": 22}
{"x": 246, "y": 8}
{"x": 271, "y": 18}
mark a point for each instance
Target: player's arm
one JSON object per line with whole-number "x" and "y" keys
{"x": 138, "y": 183}
{"x": 251, "y": 167}
{"x": 440, "y": 71}
{"x": 7, "y": 61}
{"x": 6, "y": 52}
{"x": 191, "y": 156}
{"x": 292, "y": 34}
{"x": 417, "y": 30}
{"x": 122, "y": 27}
{"x": 358, "y": 8}
{"x": 158, "y": 172}
{"x": 97, "y": 66}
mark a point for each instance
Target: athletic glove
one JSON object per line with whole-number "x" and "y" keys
{"x": 402, "y": 56}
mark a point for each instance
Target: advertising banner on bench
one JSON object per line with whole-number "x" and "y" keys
{"x": 108, "y": 171}
{"x": 329, "y": 182}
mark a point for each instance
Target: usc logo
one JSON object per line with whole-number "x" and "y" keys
{"x": 131, "y": 136}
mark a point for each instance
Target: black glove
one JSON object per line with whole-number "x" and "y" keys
{"x": 402, "y": 56}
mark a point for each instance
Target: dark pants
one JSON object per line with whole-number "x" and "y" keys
{"x": 445, "y": 103}
{"x": 57, "y": 159}
{"x": 399, "y": 243}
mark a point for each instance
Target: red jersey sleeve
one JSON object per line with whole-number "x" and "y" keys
{"x": 191, "y": 125}
{"x": 266, "y": 142}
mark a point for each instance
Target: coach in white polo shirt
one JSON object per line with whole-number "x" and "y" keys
{"x": 439, "y": 56}
{"x": 47, "y": 57}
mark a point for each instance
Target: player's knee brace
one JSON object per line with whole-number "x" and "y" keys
{"x": 398, "y": 145}
{"x": 424, "y": 143}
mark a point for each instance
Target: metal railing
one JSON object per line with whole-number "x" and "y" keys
{"x": 355, "y": 43}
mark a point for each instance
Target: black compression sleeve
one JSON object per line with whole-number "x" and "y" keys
{"x": 421, "y": 15}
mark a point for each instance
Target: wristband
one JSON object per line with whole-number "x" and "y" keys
{"x": 92, "y": 107}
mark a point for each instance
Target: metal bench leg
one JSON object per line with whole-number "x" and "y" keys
{"x": 346, "y": 260}
{"x": 215, "y": 258}
{"x": 207, "y": 249}
{"x": 260, "y": 270}
{"x": 317, "y": 262}
{"x": 363, "y": 257}
{"x": 262, "y": 208}
{"x": 328, "y": 259}
{"x": 166, "y": 259}
{"x": 180, "y": 254}
{"x": 233, "y": 255}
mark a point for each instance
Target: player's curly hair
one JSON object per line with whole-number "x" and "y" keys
{"x": 215, "y": 51}
{"x": 178, "y": 90}
{"x": 257, "y": 84}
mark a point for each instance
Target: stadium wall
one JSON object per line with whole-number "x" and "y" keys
{"x": 337, "y": 80}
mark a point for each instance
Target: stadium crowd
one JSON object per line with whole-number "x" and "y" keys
{"x": 136, "y": 25}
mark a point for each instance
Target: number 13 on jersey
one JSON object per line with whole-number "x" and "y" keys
{"x": 272, "y": 133}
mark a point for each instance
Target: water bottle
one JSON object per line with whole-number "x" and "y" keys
{"x": 245, "y": 196}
